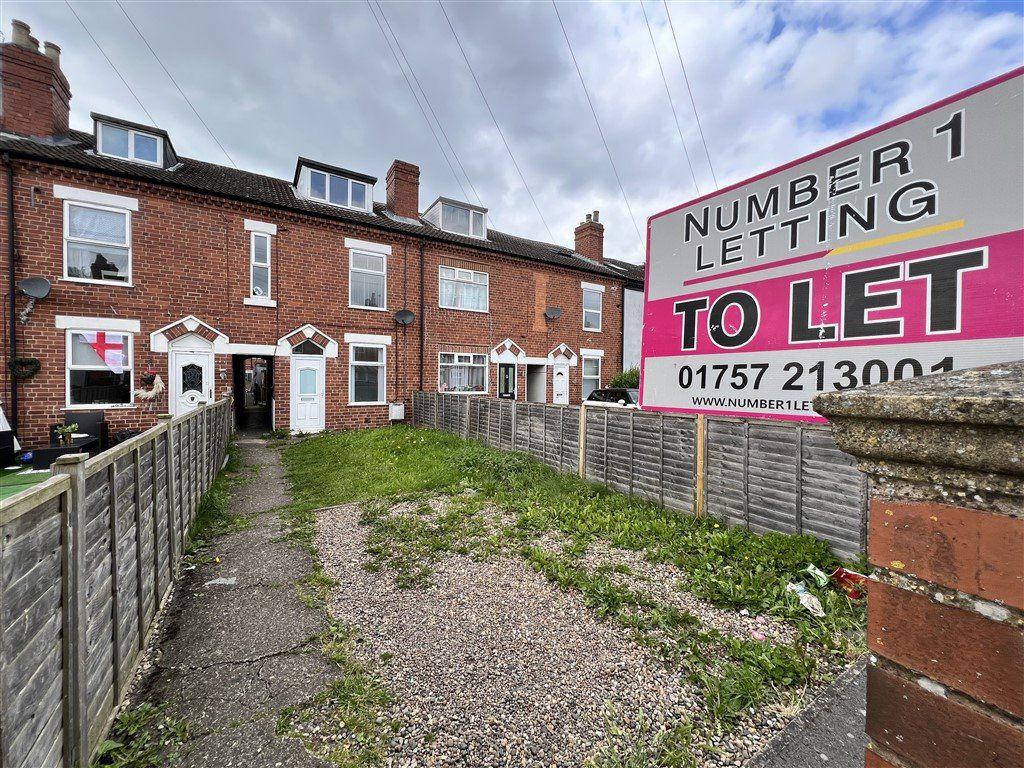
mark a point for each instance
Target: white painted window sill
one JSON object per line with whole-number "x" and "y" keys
{"x": 256, "y": 301}
{"x": 100, "y": 407}
{"x": 90, "y": 281}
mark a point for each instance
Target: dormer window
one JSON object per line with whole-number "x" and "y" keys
{"x": 334, "y": 186}
{"x": 337, "y": 190}
{"x": 459, "y": 218}
{"x": 130, "y": 144}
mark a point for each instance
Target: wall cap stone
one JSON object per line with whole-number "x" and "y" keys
{"x": 991, "y": 395}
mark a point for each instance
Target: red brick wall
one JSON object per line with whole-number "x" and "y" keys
{"x": 190, "y": 256}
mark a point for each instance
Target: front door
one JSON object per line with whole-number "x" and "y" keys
{"x": 191, "y": 380}
{"x": 308, "y": 393}
{"x": 507, "y": 381}
{"x": 560, "y": 390}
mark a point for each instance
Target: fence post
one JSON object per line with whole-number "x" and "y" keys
{"x": 700, "y": 446}
{"x": 155, "y": 492}
{"x": 172, "y": 491}
{"x": 631, "y": 452}
{"x": 561, "y": 437}
{"x": 140, "y": 607}
{"x": 115, "y": 579}
{"x": 661, "y": 459}
{"x": 73, "y": 639}
{"x": 206, "y": 463}
{"x": 583, "y": 441}
{"x": 604, "y": 441}
{"x": 514, "y": 432}
{"x": 800, "y": 479}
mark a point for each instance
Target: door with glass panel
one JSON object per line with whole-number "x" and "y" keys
{"x": 560, "y": 386}
{"x": 308, "y": 393}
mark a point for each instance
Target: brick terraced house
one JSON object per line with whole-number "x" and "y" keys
{"x": 176, "y": 281}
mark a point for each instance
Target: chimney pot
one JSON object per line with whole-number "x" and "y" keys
{"x": 597, "y": 215}
{"x": 588, "y": 217}
{"x": 52, "y": 51}
{"x": 20, "y": 33}
{"x": 33, "y": 43}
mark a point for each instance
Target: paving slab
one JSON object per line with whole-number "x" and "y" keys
{"x": 828, "y": 734}
{"x": 237, "y": 645}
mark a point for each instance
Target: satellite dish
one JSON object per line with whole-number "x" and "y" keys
{"x": 35, "y": 287}
{"x": 404, "y": 317}
{"x": 553, "y": 313}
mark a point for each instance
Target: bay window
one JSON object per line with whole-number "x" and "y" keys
{"x": 462, "y": 372}
{"x": 97, "y": 243}
{"x": 463, "y": 289}
{"x": 367, "y": 374}
{"x": 367, "y": 283}
{"x": 99, "y": 368}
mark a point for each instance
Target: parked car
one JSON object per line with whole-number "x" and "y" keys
{"x": 614, "y": 397}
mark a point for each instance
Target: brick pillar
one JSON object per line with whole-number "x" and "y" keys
{"x": 945, "y": 456}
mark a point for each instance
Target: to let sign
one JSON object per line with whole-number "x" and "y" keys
{"x": 897, "y": 253}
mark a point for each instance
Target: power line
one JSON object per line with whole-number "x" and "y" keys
{"x": 668, "y": 93}
{"x": 690, "y": 91}
{"x": 495, "y": 120}
{"x": 598, "y": 122}
{"x": 426, "y": 98}
{"x": 416, "y": 99}
{"x": 175, "y": 82}
{"x": 152, "y": 120}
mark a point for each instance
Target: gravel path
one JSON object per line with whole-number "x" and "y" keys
{"x": 492, "y": 665}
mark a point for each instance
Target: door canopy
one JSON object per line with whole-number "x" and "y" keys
{"x": 508, "y": 352}
{"x": 162, "y": 339}
{"x": 287, "y": 344}
{"x": 562, "y": 354}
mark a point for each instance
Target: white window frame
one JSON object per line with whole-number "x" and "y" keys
{"x": 472, "y": 212}
{"x": 352, "y": 268}
{"x": 352, "y": 363}
{"x": 253, "y": 264}
{"x": 471, "y": 272}
{"x": 327, "y": 190}
{"x": 68, "y": 367}
{"x": 131, "y": 145}
{"x": 471, "y": 364}
{"x": 599, "y": 291}
{"x": 128, "y": 241}
{"x": 583, "y": 373}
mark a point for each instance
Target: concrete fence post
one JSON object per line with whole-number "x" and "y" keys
{"x": 945, "y": 459}
{"x": 74, "y": 641}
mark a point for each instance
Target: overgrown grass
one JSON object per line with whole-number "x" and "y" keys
{"x": 729, "y": 566}
{"x": 213, "y": 516}
{"x": 343, "y": 724}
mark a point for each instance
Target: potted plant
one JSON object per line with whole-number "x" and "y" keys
{"x": 64, "y": 433}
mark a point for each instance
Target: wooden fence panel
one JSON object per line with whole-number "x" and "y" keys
{"x": 86, "y": 561}
{"x": 31, "y": 627}
{"x": 764, "y": 475}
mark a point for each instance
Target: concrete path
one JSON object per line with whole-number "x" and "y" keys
{"x": 828, "y": 734}
{"x": 236, "y": 648}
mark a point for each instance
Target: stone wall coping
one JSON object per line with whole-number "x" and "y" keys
{"x": 991, "y": 395}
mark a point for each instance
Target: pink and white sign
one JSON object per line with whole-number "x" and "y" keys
{"x": 897, "y": 253}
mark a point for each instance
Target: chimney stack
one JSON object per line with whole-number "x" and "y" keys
{"x": 590, "y": 238}
{"x": 403, "y": 185}
{"x": 36, "y": 98}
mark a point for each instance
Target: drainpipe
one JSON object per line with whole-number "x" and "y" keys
{"x": 423, "y": 319}
{"x": 12, "y": 338}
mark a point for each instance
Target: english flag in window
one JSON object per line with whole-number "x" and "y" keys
{"x": 110, "y": 347}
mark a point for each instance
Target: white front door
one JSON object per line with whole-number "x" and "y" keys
{"x": 308, "y": 393}
{"x": 191, "y": 380}
{"x": 561, "y": 384}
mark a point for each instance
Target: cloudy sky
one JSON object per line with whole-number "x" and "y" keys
{"x": 770, "y": 81}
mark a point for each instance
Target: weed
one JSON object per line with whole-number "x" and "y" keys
{"x": 142, "y": 737}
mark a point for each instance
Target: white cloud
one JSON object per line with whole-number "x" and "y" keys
{"x": 771, "y": 81}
